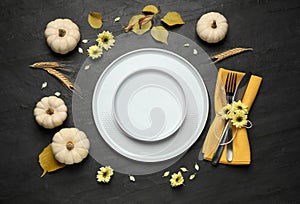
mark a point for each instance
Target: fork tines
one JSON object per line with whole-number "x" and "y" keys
{"x": 230, "y": 82}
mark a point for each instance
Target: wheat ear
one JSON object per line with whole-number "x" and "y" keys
{"x": 60, "y": 77}
{"x": 42, "y": 65}
{"x": 228, "y": 53}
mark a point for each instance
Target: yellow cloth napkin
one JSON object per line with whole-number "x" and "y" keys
{"x": 241, "y": 146}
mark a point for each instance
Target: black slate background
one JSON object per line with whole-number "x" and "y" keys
{"x": 270, "y": 27}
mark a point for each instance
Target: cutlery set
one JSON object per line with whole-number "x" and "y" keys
{"x": 233, "y": 93}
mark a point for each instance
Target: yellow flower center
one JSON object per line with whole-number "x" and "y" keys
{"x": 105, "y": 39}
{"x": 239, "y": 119}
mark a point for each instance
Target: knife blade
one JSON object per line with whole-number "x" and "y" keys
{"x": 238, "y": 94}
{"x": 241, "y": 88}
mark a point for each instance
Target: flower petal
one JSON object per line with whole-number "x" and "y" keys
{"x": 166, "y": 174}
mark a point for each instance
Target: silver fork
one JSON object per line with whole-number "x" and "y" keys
{"x": 229, "y": 133}
{"x": 230, "y": 85}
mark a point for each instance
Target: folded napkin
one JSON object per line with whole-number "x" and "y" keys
{"x": 241, "y": 146}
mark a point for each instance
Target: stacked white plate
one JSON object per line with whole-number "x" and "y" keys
{"x": 150, "y": 105}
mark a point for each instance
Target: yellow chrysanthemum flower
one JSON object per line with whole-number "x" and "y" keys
{"x": 177, "y": 179}
{"x": 239, "y": 119}
{"x": 105, "y": 173}
{"x": 240, "y": 106}
{"x": 105, "y": 40}
{"x": 94, "y": 51}
{"x": 226, "y": 112}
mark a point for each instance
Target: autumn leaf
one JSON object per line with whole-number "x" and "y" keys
{"x": 160, "y": 34}
{"x": 172, "y": 18}
{"x": 145, "y": 19}
{"x": 150, "y": 9}
{"x": 135, "y": 27}
{"x": 48, "y": 162}
{"x": 95, "y": 20}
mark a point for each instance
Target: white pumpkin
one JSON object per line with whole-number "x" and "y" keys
{"x": 62, "y": 35}
{"x": 70, "y": 146}
{"x": 50, "y": 112}
{"x": 212, "y": 27}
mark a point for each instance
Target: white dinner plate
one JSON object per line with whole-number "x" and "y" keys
{"x": 184, "y": 88}
{"x": 149, "y": 105}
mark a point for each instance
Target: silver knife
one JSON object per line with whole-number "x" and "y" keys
{"x": 238, "y": 95}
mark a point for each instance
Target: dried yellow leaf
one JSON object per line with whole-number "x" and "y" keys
{"x": 160, "y": 34}
{"x": 48, "y": 162}
{"x": 95, "y": 19}
{"x": 135, "y": 27}
{"x": 150, "y": 9}
{"x": 166, "y": 174}
{"x": 172, "y": 18}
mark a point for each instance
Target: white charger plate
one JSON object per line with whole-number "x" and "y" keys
{"x": 186, "y": 75}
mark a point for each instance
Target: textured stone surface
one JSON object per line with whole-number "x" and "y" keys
{"x": 271, "y": 28}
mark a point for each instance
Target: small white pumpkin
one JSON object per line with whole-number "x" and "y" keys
{"x": 70, "y": 146}
{"x": 62, "y": 35}
{"x": 212, "y": 27}
{"x": 50, "y": 112}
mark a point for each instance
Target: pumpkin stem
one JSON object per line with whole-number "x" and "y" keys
{"x": 214, "y": 24}
{"x": 61, "y": 32}
{"x": 70, "y": 145}
{"x": 50, "y": 111}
